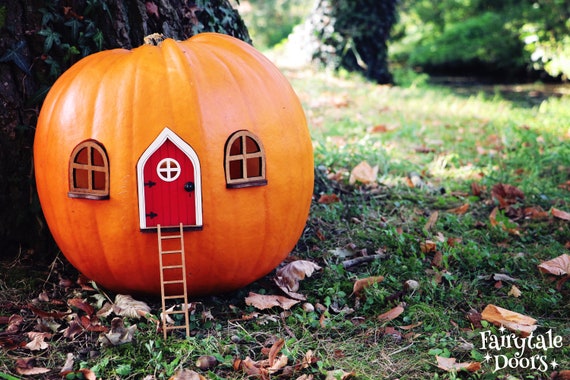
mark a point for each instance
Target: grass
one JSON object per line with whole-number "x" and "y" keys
{"x": 451, "y": 140}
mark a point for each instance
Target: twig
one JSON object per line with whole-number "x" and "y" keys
{"x": 363, "y": 259}
{"x": 401, "y": 349}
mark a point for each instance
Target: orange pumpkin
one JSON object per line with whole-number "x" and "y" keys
{"x": 205, "y": 132}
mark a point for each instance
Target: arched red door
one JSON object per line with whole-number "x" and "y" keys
{"x": 169, "y": 184}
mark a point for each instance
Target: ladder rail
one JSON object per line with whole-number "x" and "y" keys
{"x": 182, "y": 281}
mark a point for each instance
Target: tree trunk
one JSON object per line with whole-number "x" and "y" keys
{"x": 352, "y": 34}
{"x": 39, "y": 39}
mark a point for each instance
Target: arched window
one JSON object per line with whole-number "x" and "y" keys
{"x": 89, "y": 171}
{"x": 244, "y": 161}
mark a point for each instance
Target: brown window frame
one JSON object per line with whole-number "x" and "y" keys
{"x": 90, "y": 190}
{"x": 243, "y": 179}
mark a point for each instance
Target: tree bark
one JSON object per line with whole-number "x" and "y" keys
{"x": 39, "y": 39}
{"x": 352, "y": 34}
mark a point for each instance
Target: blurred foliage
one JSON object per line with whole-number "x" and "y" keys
{"x": 509, "y": 36}
{"x": 271, "y": 21}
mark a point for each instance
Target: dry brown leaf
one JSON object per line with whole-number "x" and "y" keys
{"x": 81, "y": 305}
{"x": 535, "y": 213}
{"x": 380, "y": 128}
{"x": 513, "y": 321}
{"x": 307, "y": 360}
{"x": 288, "y": 277}
{"x": 275, "y": 349}
{"x": 37, "y": 340}
{"x": 560, "y": 375}
{"x": 476, "y": 189}
{"x": 14, "y": 323}
{"x": 428, "y": 246}
{"x": 262, "y": 302}
{"x": 391, "y": 314}
{"x": 506, "y": 195}
{"x": 339, "y": 374}
{"x": 118, "y": 334}
{"x": 327, "y": 199}
{"x": 515, "y": 292}
{"x": 26, "y": 367}
{"x": 68, "y": 365}
{"x": 432, "y": 220}
{"x": 560, "y": 214}
{"x": 363, "y": 173}
{"x": 363, "y": 283}
{"x": 559, "y": 266}
{"x": 459, "y": 210}
{"x": 127, "y": 306}
{"x": 451, "y": 365}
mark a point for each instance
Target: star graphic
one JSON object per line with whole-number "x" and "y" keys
{"x": 487, "y": 357}
{"x": 553, "y": 363}
{"x": 502, "y": 329}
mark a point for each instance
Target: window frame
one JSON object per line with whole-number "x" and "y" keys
{"x": 245, "y": 180}
{"x": 89, "y": 192}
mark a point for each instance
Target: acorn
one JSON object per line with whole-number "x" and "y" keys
{"x": 206, "y": 362}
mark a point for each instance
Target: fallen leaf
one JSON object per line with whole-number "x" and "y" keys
{"x": 428, "y": 246}
{"x": 339, "y": 374}
{"x": 69, "y": 361}
{"x": 459, "y": 210}
{"x": 37, "y": 340}
{"x": 476, "y": 189}
{"x": 535, "y": 213}
{"x": 559, "y": 266}
{"x": 14, "y": 323}
{"x": 81, "y": 305}
{"x": 363, "y": 283}
{"x": 126, "y": 306}
{"x": 363, "y": 173}
{"x": 380, "y": 128}
{"x": 513, "y": 321}
{"x": 391, "y": 314}
{"x": 26, "y": 367}
{"x": 515, "y": 292}
{"x": 432, "y": 220}
{"x": 118, "y": 334}
{"x": 451, "y": 365}
{"x": 327, "y": 199}
{"x": 506, "y": 195}
{"x": 560, "y": 214}
{"x": 493, "y": 217}
{"x": 262, "y": 302}
{"x": 288, "y": 277}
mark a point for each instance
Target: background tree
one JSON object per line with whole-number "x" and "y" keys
{"x": 39, "y": 39}
{"x": 352, "y": 34}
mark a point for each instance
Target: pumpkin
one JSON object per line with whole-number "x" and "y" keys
{"x": 211, "y": 102}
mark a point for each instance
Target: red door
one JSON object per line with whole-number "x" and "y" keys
{"x": 168, "y": 187}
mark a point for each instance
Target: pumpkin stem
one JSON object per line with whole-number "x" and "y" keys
{"x": 154, "y": 39}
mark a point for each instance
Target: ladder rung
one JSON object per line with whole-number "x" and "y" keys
{"x": 175, "y": 312}
{"x": 174, "y": 251}
{"x": 172, "y": 267}
{"x": 164, "y": 237}
{"x": 173, "y": 282}
{"x": 174, "y": 327}
{"x": 173, "y": 297}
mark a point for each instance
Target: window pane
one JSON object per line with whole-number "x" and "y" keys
{"x": 80, "y": 179}
{"x": 250, "y": 145}
{"x": 236, "y": 171}
{"x": 254, "y": 167}
{"x": 81, "y": 157}
{"x": 98, "y": 180}
{"x": 96, "y": 158}
{"x": 235, "y": 149}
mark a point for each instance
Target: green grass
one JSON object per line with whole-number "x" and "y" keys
{"x": 451, "y": 139}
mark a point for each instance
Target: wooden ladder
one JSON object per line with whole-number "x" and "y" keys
{"x": 172, "y": 261}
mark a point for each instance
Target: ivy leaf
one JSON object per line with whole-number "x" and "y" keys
{"x": 75, "y": 25}
{"x": 52, "y": 38}
{"x": 15, "y": 55}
